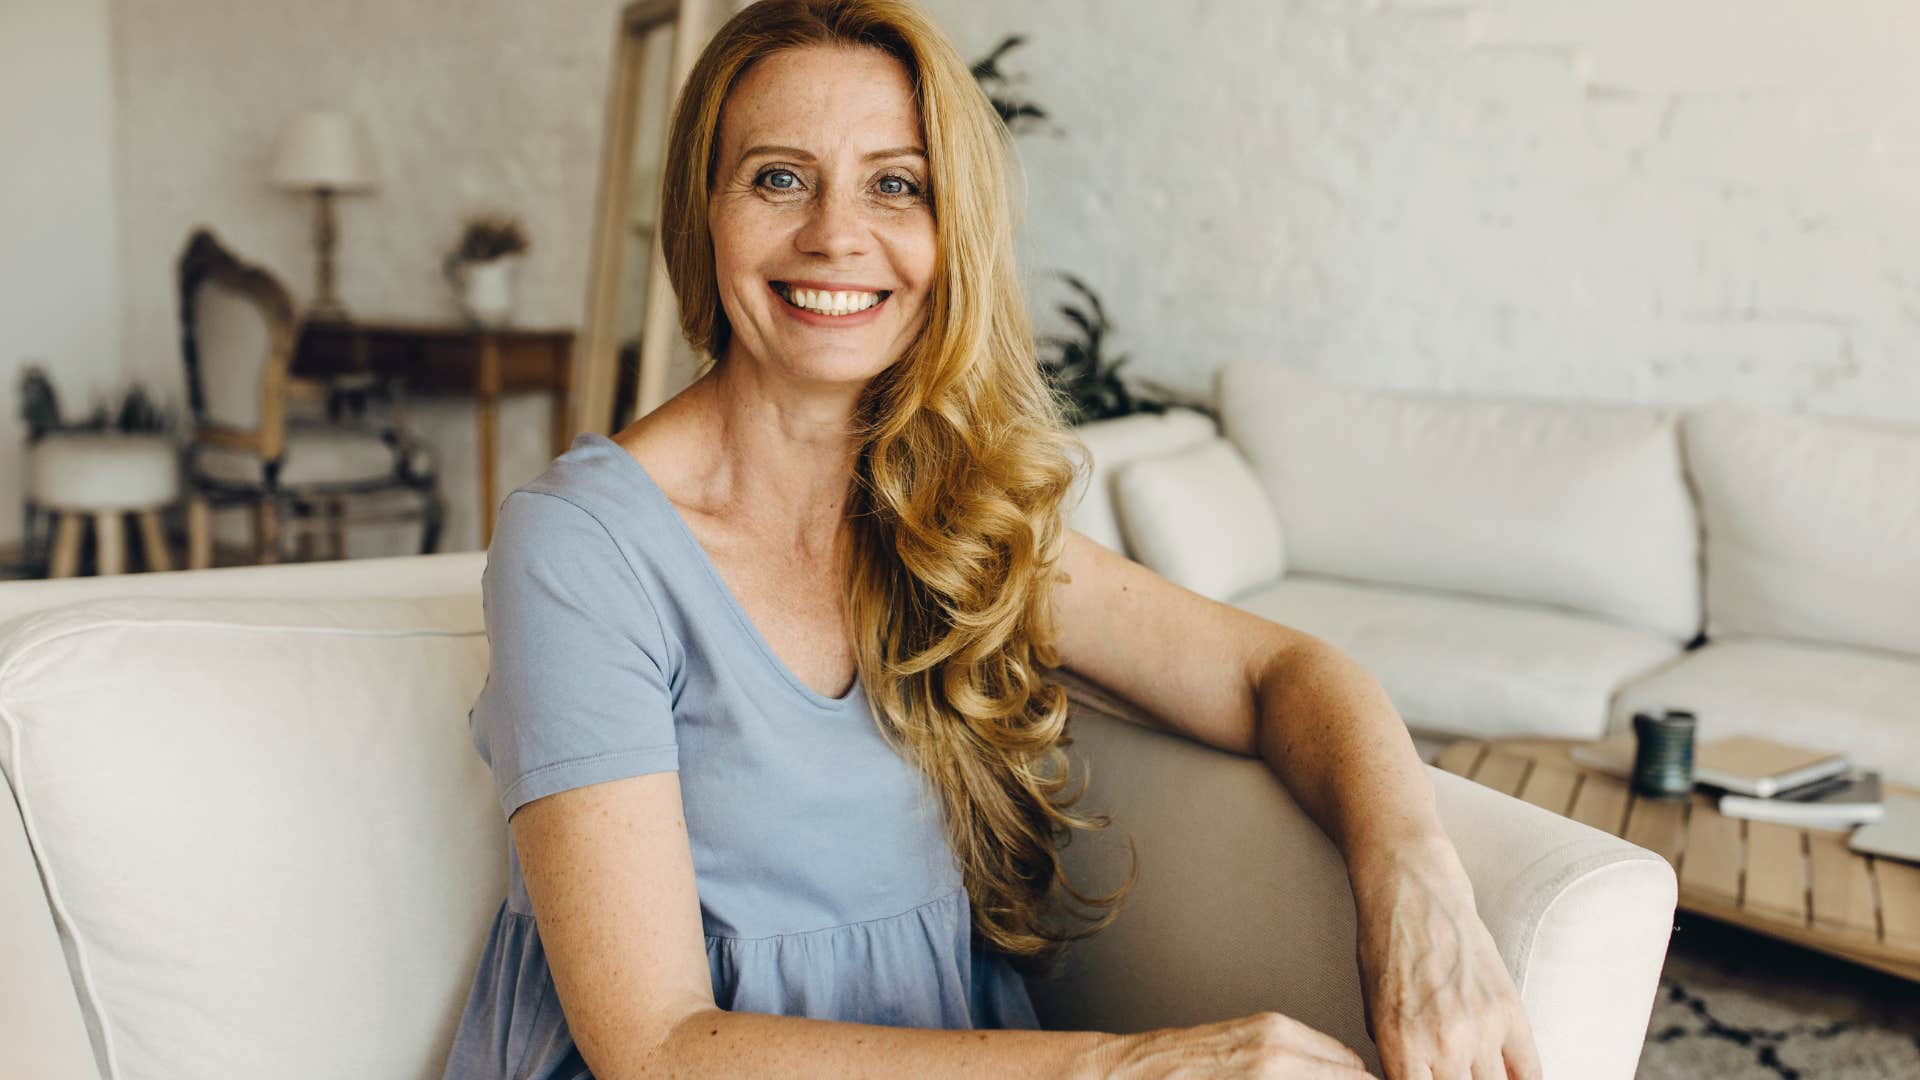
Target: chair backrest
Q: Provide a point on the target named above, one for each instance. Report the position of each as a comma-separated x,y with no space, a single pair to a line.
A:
260,823
237,331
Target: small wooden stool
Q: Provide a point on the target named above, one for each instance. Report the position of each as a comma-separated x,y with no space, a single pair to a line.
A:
82,475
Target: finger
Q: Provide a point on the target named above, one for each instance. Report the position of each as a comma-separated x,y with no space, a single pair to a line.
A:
1521,1055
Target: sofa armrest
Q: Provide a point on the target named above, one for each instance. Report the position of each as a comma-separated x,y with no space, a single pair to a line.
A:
394,577
42,1033
1242,904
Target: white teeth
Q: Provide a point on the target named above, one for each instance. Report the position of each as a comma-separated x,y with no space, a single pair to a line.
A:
832,303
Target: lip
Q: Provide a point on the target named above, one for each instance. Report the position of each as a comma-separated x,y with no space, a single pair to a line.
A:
812,318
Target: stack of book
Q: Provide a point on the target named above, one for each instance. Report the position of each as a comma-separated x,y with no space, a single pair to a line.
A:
1764,780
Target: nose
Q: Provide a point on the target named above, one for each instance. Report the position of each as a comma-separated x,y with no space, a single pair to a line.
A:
834,228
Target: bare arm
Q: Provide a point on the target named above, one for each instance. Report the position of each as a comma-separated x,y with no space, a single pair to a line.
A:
609,869
1439,998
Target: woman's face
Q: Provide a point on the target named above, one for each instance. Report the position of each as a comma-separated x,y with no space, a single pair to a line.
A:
820,208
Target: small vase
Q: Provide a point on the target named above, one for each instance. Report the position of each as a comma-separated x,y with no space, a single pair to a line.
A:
485,289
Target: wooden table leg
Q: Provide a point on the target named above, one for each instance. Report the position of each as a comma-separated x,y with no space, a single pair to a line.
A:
487,415
199,533
109,543
562,414
66,545
266,532
154,538
337,528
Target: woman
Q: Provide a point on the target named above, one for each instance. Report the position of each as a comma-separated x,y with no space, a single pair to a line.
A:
784,637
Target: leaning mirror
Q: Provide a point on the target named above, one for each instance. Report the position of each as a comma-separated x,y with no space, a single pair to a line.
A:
632,356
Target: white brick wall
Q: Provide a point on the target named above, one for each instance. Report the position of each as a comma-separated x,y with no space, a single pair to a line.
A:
1648,200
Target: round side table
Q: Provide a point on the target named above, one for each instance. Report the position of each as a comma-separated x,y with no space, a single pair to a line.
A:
81,476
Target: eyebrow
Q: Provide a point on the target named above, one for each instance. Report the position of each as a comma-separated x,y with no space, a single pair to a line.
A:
796,152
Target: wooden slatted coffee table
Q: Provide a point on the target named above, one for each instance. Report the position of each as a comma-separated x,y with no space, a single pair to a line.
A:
1800,885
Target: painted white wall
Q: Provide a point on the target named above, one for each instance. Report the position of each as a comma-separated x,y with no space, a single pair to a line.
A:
487,104
59,258
493,104
1636,200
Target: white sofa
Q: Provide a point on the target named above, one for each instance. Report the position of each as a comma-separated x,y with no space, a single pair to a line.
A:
1510,566
245,833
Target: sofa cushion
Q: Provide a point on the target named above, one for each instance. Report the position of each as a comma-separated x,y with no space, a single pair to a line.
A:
1468,666
1112,443
1199,518
1580,506
1857,702
261,825
1812,526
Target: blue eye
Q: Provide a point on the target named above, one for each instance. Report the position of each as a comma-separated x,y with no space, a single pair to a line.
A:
770,173
907,187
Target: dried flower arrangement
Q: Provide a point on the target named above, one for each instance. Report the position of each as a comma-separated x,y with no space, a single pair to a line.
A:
490,236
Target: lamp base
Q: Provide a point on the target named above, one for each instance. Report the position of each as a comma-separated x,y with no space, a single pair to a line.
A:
330,312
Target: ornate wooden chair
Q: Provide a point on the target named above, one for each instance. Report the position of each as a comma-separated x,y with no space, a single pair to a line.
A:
261,437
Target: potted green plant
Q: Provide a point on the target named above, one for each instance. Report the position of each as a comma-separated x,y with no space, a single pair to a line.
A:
1088,377
481,267
1078,365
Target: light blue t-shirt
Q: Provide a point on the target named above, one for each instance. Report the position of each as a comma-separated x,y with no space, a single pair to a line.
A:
827,886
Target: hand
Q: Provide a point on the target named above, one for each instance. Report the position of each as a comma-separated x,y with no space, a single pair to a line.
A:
1439,1001
1266,1044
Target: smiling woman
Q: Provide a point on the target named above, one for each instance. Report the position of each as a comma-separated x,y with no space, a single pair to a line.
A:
768,711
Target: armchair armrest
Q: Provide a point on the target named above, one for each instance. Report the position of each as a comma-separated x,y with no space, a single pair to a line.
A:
1242,903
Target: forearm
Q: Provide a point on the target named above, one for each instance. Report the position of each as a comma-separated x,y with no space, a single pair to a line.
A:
1330,733
716,1042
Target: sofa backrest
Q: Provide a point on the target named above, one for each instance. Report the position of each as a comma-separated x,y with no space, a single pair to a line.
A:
1113,443
1812,526
1574,505
260,824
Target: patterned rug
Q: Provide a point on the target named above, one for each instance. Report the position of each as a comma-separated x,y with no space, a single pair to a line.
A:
1734,1004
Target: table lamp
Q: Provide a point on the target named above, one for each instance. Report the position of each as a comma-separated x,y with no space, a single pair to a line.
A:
324,152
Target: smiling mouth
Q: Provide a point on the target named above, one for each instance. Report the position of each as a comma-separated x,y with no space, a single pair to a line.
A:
822,302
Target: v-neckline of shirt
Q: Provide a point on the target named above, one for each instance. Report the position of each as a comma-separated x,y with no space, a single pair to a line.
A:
699,554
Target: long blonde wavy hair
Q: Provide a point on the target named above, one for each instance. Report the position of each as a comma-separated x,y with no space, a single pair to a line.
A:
964,461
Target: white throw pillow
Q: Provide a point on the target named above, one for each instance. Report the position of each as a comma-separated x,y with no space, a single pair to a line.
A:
1111,444
1199,518
1813,526
1572,505
262,824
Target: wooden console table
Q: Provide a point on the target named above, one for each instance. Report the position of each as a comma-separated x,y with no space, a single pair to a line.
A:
442,360
1801,885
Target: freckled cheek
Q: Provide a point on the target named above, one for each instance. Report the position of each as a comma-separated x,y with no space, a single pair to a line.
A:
913,253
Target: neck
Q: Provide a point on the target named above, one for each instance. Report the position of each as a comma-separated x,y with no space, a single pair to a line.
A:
783,452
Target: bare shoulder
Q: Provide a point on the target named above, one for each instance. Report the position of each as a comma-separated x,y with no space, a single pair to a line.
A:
669,443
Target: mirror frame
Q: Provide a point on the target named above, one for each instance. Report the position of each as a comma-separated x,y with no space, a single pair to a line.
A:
597,360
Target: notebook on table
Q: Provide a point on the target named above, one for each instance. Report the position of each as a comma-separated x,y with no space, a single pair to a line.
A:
1851,798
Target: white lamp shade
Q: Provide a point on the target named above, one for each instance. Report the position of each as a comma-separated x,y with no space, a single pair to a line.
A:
323,149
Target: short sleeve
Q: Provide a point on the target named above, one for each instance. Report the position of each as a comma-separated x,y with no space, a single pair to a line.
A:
577,689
